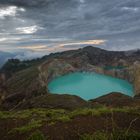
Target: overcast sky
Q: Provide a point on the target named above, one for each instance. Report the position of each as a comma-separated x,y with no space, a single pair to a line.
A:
38,27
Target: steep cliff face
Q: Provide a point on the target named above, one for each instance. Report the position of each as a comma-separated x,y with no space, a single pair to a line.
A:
136,79
90,59
2,87
131,74
54,68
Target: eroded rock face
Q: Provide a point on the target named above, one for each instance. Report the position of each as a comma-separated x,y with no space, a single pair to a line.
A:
136,80
59,67
54,68
131,74
95,60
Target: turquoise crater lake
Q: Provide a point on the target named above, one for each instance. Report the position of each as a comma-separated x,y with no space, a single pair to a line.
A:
89,85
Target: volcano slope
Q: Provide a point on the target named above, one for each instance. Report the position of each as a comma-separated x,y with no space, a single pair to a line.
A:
29,110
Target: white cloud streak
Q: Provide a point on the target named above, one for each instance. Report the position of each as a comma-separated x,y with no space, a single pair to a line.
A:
9,39
134,9
62,46
10,11
28,30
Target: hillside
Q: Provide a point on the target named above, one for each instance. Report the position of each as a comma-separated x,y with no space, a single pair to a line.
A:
98,123
30,112
29,79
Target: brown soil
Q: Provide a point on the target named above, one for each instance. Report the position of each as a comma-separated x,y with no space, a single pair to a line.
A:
116,100
89,124
73,129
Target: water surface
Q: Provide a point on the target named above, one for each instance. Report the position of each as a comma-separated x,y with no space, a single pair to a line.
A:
89,85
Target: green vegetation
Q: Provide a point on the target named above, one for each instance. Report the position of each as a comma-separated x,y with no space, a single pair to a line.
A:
37,136
102,110
38,117
90,111
111,136
13,66
64,118
96,136
22,80
58,114
32,113
26,128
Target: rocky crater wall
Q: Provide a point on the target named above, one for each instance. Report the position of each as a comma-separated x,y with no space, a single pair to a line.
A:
58,67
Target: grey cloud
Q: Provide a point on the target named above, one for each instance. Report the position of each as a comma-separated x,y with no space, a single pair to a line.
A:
25,3
67,20
29,55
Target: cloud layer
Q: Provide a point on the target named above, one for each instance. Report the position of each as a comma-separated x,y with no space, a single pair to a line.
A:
113,25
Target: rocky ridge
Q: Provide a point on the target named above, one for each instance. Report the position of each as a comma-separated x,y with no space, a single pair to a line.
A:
30,83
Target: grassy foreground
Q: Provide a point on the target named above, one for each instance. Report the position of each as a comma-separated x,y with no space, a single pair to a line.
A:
32,124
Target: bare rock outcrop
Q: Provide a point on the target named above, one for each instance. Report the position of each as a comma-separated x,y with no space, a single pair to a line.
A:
52,69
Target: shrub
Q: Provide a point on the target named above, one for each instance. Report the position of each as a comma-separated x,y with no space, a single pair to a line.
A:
111,136
95,136
26,128
37,136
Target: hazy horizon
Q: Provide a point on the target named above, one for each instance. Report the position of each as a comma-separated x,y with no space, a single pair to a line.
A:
38,27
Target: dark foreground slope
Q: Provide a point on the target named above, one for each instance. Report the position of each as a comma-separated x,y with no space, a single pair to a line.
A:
98,123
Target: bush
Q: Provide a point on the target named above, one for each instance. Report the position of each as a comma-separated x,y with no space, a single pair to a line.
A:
113,136
28,127
37,136
96,136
